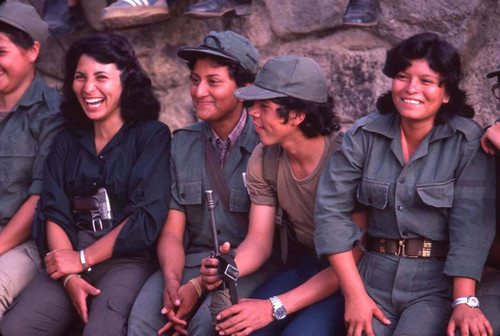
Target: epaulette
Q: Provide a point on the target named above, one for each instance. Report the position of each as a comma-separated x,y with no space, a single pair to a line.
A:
467,127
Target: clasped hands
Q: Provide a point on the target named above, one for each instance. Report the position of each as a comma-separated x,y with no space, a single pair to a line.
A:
64,262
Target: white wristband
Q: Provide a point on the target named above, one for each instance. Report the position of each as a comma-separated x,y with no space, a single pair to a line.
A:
69,276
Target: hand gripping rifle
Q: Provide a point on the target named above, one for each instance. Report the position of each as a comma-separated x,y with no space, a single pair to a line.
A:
226,269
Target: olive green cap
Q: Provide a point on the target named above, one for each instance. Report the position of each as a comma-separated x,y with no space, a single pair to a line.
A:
288,76
25,17
226,44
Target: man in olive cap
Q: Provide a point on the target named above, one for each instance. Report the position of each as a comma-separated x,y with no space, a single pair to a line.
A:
298,130
217,147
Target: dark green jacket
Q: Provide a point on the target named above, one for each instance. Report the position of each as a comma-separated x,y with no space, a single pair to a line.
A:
446,192
190,180
26,135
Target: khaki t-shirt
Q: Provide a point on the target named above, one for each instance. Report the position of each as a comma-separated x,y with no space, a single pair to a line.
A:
295,196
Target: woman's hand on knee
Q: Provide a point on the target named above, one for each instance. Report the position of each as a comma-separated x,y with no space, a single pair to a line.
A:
78,290
62,262
359,313
470,321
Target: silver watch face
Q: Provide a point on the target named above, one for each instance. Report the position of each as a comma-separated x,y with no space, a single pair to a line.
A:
279,313
472,302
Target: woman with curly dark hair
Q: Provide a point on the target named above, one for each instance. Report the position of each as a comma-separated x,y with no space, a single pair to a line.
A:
104,199
417,166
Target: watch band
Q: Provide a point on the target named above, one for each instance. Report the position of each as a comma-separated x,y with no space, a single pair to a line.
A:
84,262
279,311
470,301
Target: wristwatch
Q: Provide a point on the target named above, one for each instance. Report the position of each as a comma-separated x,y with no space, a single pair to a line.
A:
84,262
470,301
279,311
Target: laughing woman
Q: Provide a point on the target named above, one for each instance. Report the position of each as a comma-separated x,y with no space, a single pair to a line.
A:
429,191
104,196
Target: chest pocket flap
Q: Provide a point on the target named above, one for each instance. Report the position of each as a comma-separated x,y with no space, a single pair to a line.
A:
189,191
438,195
373,193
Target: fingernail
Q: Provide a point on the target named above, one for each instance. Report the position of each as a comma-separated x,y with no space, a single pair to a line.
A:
163,310
177,302
217,328
218,317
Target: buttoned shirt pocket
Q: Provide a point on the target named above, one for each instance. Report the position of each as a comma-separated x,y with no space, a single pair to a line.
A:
437,195
239,200
17,154
189,191
373,193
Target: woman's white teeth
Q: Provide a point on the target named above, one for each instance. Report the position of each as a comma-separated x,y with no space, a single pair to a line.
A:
412,101
94,101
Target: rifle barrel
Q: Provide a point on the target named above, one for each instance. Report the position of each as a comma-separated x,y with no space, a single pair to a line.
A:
211,206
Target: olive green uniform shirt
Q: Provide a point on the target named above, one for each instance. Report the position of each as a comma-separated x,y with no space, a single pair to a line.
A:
26,135
190,180
445,192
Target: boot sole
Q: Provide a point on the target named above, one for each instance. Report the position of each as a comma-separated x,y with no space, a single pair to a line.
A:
127,17
239,10
351,24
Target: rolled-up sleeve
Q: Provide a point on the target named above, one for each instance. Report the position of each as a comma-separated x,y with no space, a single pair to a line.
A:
335,230
148,193
47,128
472,217
174,189
54,203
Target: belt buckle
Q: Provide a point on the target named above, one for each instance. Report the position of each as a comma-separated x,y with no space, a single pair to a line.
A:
426,249
401,248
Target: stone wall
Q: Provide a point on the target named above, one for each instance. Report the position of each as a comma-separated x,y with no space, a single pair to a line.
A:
351,57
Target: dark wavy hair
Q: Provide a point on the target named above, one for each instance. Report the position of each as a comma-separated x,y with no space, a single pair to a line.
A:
137,100
17,36
319,117
443,58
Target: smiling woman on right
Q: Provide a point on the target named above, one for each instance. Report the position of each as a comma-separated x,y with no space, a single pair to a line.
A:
417,166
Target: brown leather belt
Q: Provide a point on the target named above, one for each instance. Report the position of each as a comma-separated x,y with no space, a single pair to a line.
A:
408,248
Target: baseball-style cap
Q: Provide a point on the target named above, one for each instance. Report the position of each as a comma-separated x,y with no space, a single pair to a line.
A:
494,72
25,17
226,44
289,75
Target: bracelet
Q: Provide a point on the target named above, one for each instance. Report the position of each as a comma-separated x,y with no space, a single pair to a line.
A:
69,276
84,262
196,286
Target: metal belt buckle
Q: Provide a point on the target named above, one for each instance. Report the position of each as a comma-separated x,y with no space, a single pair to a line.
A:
401,248
426,250
402,245
232,272
96,219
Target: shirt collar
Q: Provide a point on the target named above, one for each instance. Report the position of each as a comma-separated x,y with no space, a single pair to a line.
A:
388,125
235,133
87,137
33,94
